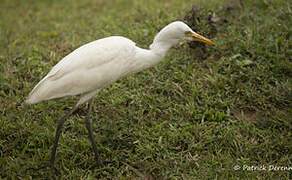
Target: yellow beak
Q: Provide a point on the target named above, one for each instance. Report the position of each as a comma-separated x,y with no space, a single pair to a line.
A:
198,37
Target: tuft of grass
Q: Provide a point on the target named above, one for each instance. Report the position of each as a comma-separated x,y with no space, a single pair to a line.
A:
186,118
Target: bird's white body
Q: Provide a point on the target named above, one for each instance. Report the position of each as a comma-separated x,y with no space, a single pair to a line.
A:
92,67
97,64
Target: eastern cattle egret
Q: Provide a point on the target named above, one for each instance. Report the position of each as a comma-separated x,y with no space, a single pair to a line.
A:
97,64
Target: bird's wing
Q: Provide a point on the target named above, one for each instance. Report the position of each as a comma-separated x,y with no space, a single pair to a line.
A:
92,55
62,79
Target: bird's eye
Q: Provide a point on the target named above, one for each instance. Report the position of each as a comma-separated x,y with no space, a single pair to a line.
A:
188,33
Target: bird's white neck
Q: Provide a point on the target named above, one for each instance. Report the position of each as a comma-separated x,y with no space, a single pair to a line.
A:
160,48
146,58
149,57
161,44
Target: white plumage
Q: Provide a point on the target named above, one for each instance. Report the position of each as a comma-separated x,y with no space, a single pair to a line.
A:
97,64
87,69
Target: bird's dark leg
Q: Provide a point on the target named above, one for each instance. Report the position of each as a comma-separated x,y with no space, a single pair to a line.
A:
57,136
90,133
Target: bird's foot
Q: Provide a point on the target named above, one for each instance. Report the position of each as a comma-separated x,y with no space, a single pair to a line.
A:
98,163
54,171
38,168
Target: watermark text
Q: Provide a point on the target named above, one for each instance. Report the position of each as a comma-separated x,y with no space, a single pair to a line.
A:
262,168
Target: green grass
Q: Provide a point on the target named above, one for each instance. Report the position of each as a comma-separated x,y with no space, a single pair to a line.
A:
183,119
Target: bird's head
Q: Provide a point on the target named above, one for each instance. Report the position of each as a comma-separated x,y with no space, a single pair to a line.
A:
178,30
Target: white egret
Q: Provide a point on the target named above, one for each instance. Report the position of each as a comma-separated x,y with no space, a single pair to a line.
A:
97,64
